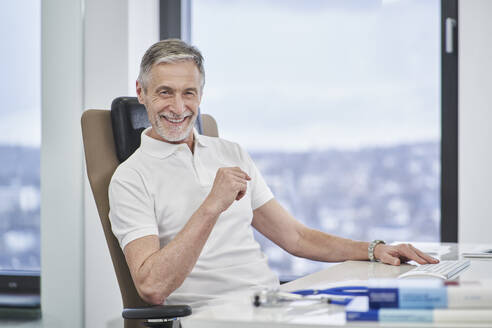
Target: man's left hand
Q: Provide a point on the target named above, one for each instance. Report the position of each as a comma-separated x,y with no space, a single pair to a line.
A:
397,254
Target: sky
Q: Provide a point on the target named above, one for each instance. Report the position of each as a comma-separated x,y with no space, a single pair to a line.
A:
318,74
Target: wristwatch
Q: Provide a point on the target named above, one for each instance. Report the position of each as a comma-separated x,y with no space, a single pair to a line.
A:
370,249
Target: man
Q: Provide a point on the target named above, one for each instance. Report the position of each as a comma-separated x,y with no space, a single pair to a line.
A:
183,205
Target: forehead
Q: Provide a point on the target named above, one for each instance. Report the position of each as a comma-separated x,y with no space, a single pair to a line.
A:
179,74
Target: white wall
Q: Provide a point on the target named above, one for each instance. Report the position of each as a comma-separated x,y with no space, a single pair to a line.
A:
117,33
61,164
475,117
105,77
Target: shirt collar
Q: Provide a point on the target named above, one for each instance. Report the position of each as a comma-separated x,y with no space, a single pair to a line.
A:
162,149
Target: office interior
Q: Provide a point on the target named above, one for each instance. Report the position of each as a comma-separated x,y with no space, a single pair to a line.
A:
90,54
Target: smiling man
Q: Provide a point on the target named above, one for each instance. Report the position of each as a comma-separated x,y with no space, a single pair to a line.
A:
184,206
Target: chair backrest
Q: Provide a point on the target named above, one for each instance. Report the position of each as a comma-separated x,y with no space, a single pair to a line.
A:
101,162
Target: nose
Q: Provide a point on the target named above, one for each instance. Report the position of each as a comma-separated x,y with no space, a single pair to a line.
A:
178,107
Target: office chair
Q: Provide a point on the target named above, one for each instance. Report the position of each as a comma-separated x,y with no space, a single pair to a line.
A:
109,138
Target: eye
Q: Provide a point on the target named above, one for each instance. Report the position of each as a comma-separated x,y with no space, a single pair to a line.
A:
164,92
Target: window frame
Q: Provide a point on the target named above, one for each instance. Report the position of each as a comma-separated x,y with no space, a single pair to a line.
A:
449,126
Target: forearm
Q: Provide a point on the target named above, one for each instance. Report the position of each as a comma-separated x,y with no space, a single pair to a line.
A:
165,270
316,245
273,221
278,225
320,246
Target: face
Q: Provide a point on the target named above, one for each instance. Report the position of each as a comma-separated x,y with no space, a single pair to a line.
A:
172,98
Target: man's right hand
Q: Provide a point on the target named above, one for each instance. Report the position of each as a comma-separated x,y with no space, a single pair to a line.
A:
230,184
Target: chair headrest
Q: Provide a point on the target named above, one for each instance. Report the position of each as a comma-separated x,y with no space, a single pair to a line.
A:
129,118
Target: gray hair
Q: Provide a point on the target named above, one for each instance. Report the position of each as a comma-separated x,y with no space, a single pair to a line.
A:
169,51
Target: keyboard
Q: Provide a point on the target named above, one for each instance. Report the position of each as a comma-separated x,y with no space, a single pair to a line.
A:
444,270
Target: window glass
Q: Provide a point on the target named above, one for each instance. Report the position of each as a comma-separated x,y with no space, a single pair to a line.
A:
20,136
338,103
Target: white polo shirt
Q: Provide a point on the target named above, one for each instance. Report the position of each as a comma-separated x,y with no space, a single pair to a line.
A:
156,191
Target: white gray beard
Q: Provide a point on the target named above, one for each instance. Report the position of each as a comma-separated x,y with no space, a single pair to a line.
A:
175,135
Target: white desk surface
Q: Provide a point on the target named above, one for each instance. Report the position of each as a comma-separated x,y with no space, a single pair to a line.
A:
239,312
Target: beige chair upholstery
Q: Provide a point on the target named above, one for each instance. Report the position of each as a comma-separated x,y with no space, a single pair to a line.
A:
101,162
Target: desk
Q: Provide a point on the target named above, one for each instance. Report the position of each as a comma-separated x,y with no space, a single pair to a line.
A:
239,312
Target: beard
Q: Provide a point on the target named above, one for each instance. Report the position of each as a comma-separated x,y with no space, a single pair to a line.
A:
174,133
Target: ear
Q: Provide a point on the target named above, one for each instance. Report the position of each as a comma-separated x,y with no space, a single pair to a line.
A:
140,92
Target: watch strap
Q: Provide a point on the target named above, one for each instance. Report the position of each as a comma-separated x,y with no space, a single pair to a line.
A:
372,246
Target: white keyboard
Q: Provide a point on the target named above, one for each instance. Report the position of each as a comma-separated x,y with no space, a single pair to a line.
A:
443,270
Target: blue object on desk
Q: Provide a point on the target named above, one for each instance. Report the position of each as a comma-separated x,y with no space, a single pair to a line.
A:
338,291
336,295
349,291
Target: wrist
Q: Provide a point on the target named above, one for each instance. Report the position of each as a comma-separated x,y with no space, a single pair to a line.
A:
371,249
209,208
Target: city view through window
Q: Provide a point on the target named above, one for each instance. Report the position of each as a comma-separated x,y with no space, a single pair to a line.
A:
338,103
20,135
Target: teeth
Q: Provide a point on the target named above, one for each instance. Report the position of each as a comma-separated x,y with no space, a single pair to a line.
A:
173,120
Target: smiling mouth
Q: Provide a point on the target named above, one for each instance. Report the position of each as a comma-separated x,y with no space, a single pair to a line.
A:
174,120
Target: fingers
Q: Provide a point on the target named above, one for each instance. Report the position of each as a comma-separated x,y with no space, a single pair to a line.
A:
240,195
408,251
233,171
230,184
241,186
236,171
395,255
425,256
238,178
411,253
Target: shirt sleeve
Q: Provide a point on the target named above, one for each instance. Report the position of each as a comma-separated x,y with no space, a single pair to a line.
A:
131,211
260,192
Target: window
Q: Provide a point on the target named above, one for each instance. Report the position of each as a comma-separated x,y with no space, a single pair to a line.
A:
339,104
20,136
